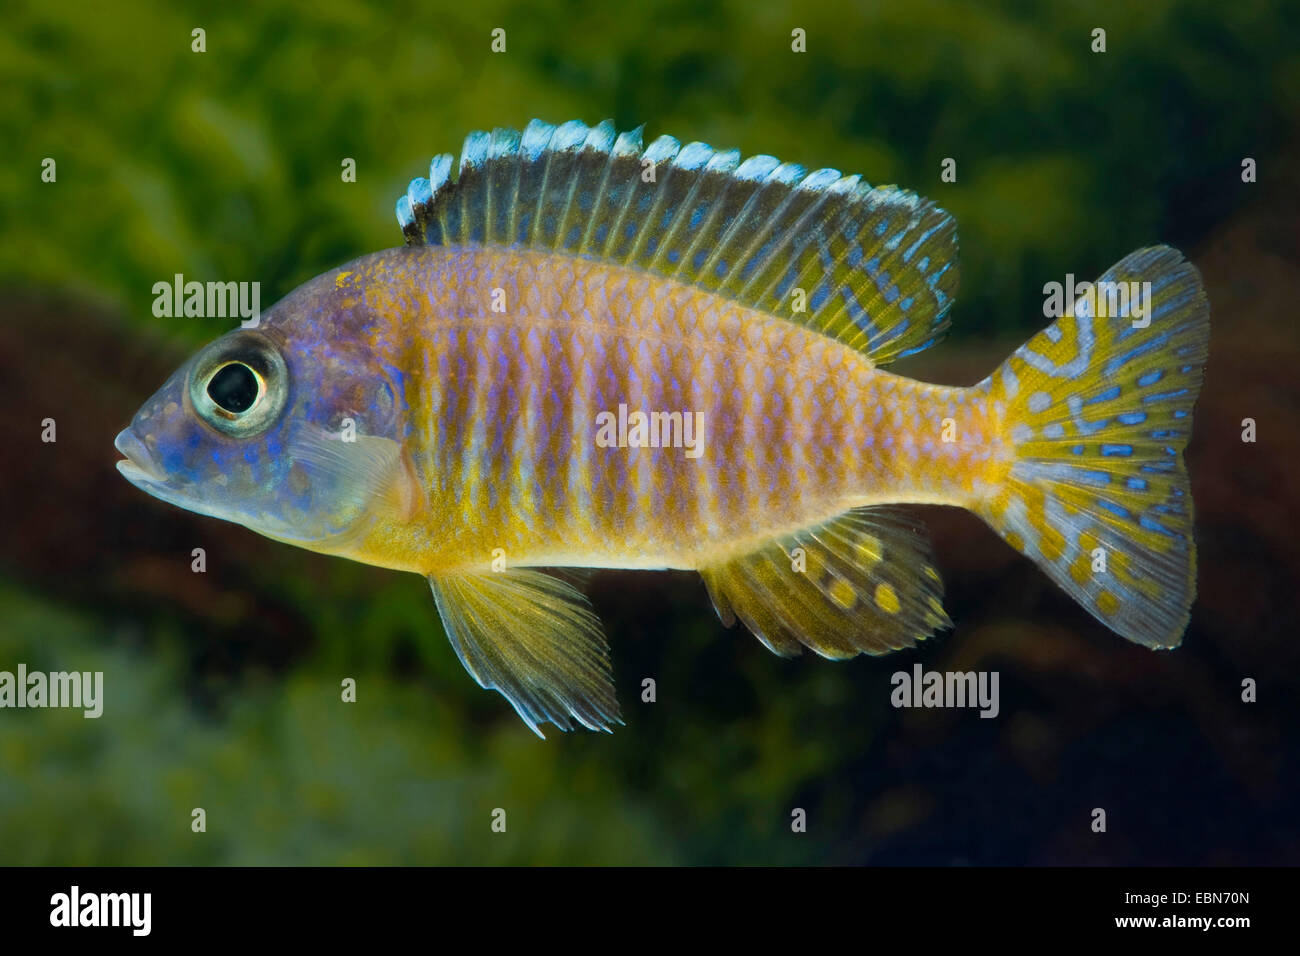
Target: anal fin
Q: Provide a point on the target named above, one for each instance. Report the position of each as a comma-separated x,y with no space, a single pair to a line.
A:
533,638
862,582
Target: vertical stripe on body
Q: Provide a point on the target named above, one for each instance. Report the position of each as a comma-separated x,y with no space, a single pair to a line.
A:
796,425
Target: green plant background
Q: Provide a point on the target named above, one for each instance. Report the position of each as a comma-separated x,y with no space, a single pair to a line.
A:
223,688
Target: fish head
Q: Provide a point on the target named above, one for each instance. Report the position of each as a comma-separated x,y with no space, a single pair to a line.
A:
291,429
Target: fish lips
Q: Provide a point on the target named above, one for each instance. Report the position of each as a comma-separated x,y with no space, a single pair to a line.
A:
138,467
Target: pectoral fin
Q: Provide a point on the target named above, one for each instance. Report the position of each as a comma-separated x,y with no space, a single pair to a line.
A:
863,582
534,638
369,472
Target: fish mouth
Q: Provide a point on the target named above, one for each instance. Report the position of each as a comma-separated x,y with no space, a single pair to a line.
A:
138,467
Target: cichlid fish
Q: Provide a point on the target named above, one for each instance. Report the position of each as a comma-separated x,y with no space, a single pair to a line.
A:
594,355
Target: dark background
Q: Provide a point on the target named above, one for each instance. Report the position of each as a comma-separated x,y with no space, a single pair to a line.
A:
222,689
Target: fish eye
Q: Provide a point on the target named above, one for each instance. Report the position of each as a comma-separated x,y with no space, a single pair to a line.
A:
234,388
239,384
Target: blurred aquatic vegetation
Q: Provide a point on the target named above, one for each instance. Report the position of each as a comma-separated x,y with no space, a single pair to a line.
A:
223,687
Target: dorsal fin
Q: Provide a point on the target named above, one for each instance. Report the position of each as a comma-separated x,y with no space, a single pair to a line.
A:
878,266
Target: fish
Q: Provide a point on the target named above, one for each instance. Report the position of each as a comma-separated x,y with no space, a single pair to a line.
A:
591,353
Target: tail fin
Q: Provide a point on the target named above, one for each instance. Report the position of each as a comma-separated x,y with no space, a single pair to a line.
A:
1098,409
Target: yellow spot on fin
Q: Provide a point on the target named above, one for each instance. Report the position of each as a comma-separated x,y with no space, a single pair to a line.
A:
868,586
341,279
887,598
534,638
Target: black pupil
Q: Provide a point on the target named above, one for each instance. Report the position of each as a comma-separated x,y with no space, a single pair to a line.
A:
234,388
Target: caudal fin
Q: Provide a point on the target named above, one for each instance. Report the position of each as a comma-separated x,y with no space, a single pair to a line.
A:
1098,409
